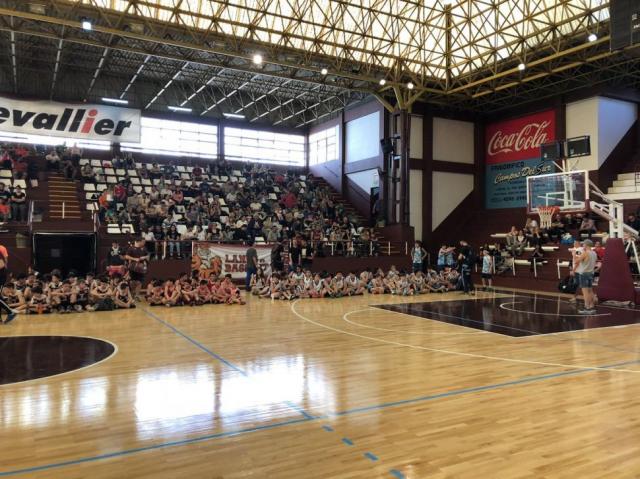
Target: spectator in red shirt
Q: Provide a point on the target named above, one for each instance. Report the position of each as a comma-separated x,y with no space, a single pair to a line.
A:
599,250
120,193
20,169
4,210
289,200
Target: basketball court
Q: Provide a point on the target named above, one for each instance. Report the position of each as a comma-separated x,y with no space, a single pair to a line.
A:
441,385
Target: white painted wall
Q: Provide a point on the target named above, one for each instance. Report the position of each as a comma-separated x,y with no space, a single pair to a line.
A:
415,204
614,120
605,120
365,179
363,137
582,119
415,145
453,140
449,189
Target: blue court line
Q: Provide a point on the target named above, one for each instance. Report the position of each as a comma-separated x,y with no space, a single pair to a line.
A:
216,356
129,452
371,456
347,441
488,387
396,473
238,432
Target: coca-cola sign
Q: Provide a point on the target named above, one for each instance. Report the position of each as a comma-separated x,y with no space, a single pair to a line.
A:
519,139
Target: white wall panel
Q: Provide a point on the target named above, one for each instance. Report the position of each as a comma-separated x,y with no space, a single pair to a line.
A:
582,119
453,140
365,179
363,137
449,189
614,120
415,145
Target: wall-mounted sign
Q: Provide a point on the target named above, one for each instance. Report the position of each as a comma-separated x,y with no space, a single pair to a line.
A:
513,153
82,121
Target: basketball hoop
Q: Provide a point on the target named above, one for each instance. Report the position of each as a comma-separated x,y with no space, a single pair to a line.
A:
546,214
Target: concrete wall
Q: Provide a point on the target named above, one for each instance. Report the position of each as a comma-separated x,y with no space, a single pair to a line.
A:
453,141
449,189
605,120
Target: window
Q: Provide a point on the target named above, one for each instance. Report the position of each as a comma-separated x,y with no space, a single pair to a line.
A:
167,137
323,146
263,147
54,141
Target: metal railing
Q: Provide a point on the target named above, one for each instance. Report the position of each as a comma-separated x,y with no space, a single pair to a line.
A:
184,248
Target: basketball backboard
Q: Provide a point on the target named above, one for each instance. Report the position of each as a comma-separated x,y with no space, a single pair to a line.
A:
569,191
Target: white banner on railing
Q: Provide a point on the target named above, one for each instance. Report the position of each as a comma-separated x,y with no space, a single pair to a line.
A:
217,259
82,121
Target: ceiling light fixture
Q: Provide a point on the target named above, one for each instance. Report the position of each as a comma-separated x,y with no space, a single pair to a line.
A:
383,82
592,37
86,24
257,59
115,100
521,66
180,109
410,86
324,71
235,116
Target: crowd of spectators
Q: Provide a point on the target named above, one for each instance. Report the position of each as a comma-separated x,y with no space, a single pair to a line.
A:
13,197
254,203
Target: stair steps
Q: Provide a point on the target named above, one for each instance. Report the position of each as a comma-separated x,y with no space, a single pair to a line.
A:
337,198
63,198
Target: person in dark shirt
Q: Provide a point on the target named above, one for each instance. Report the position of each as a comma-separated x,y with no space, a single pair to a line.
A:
252,264
137,256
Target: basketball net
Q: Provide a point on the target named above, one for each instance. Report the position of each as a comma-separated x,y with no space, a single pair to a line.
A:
546,215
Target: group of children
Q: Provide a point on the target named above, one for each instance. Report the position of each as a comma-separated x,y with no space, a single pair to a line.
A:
305,284
193,291
30,294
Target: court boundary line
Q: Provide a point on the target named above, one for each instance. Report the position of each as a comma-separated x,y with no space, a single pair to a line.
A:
523,337
361,410
219,358
115,351
502,306
375,308
456,353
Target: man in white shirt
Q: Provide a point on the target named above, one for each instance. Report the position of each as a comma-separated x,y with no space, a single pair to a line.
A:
584,265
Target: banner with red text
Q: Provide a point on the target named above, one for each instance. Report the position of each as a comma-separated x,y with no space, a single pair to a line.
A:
70,120
513,153
219,259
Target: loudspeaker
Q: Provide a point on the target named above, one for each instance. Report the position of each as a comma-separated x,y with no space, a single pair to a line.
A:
578,147
625,23
551,151
387,146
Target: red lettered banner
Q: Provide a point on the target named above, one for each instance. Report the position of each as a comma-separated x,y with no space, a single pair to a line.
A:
220,259
519,139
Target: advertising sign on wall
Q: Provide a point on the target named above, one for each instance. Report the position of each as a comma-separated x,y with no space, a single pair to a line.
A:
82,121
513,153
219,260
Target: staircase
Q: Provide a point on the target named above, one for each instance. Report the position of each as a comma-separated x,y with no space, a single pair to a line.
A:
63,198
626,186
390,248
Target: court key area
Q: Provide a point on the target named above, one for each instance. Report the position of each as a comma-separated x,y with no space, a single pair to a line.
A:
409,388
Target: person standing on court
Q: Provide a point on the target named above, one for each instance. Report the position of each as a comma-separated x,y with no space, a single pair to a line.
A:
467,260
4,261
418,254
252,264
137,258
584,266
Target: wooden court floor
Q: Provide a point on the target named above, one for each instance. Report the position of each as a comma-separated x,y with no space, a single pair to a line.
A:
324,389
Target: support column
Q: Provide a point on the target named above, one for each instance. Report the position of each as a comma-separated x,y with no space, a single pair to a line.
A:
405,131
